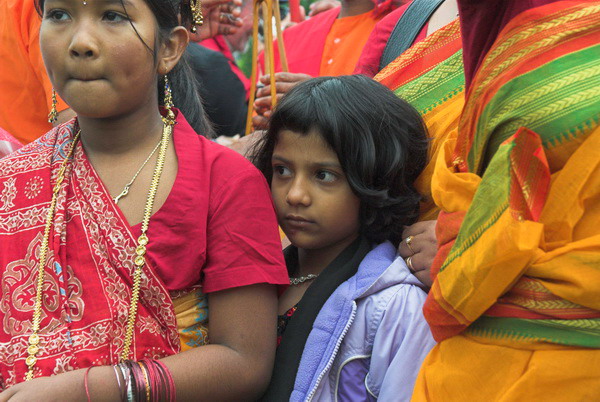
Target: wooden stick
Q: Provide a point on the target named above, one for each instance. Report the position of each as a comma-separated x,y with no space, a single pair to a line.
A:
253,76
280,43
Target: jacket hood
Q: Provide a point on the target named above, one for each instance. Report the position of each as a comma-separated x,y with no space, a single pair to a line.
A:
381,268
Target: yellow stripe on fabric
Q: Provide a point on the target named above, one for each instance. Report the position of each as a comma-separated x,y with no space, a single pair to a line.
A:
538,106
435,84
522,35
518,56
523,99
533,304
429,45
191,312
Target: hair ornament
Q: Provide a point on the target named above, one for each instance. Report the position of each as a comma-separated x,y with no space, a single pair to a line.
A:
197,17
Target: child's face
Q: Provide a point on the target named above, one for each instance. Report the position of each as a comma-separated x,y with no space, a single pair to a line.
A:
315,206
94,58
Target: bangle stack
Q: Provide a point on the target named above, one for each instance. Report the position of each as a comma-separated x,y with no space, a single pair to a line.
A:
144,381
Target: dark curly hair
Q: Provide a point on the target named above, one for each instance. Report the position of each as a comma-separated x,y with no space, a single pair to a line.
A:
380,141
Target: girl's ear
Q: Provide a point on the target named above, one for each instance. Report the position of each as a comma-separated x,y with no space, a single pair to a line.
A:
172,49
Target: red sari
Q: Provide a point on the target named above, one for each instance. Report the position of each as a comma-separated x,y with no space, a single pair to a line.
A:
196,241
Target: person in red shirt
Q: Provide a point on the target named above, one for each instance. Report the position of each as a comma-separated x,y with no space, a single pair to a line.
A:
124,231
328,44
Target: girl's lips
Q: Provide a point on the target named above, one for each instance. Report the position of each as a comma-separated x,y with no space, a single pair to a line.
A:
297,218
297,222
85,79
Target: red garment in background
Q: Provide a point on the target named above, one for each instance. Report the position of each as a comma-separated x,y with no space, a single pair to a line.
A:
219,44
304,44
344,43
368,63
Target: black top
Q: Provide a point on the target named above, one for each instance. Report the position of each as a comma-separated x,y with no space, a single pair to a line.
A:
289,353
223,94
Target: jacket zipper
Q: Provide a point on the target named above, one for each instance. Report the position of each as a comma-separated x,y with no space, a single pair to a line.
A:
333,355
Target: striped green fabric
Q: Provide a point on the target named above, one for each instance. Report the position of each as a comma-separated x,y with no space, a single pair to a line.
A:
436,86
559,108
585,333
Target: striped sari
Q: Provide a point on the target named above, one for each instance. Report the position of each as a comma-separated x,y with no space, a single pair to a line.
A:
515,304
430,77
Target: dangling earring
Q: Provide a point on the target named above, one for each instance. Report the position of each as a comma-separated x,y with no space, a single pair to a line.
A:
168,103
53,115
197,17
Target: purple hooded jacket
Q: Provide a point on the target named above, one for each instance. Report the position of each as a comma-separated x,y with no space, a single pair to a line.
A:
370,337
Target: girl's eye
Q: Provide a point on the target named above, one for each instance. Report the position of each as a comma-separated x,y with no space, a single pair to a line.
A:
325,176
281,171
112,16
57,15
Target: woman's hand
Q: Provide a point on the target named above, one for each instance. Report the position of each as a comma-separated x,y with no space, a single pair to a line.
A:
221,17
419,247
284,82
241,144
66,387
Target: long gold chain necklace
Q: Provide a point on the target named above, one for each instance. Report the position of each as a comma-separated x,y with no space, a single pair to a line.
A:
128,185
139,260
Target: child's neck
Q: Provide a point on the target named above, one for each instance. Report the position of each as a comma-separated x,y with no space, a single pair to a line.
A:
351,8
121,135
314,261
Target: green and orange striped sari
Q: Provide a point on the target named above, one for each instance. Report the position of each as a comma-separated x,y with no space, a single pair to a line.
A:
516,300
430,76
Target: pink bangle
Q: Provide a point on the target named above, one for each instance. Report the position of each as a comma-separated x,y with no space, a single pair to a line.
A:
85,383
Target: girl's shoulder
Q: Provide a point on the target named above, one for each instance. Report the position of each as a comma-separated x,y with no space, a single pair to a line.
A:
381,269
206,158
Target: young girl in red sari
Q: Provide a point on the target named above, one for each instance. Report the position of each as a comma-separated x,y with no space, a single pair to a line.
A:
118,228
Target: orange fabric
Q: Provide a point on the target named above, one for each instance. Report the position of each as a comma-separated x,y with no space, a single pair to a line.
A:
344,43
25,95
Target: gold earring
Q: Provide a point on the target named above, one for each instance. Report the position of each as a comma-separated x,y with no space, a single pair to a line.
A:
168,103
53,115
197,17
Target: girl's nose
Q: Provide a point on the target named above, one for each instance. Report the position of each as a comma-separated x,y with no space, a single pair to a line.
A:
298,193
83,43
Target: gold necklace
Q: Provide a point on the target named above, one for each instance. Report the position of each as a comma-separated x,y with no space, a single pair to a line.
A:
139,260
128,185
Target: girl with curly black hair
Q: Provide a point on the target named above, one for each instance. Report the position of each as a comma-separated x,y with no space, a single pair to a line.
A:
341,155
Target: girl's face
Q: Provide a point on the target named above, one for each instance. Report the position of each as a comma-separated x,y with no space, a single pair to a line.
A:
95,59
315,205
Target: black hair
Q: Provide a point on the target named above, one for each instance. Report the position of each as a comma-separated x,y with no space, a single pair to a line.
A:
380,140
184,85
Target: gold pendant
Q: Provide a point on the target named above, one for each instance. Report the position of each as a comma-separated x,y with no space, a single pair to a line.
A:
123,194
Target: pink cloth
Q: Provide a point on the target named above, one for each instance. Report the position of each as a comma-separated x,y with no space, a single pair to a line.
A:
8,143
368,64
